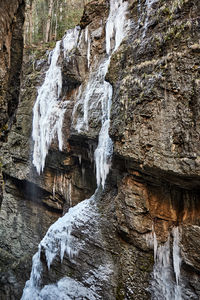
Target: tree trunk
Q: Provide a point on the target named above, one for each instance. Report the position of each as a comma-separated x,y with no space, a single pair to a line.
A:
56,26
48,26
31,23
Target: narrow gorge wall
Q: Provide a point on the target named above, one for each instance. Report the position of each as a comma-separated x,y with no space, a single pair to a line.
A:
11,51
148,211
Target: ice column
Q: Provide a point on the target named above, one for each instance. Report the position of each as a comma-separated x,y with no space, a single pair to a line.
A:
176,261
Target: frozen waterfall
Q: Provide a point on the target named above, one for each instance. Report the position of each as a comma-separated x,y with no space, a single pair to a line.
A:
116,27
60,241
49,109
48,117
98,90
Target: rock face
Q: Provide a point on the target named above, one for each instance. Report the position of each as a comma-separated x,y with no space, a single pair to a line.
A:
11,51
153,112
153,185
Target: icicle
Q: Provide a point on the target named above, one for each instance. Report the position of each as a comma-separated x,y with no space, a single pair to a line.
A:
166,266
83,172
103,154
69,192
54,186
176,254
162,282
177,262
88,41
152,242
155,245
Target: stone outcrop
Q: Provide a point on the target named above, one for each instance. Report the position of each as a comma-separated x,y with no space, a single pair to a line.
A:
154,179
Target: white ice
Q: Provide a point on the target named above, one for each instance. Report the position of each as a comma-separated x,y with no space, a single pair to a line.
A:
98,91
49,109
166,268
59,241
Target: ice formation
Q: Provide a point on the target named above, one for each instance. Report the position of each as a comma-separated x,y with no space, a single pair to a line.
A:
49,109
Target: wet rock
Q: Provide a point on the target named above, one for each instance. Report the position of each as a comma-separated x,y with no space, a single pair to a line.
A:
24,221
92,10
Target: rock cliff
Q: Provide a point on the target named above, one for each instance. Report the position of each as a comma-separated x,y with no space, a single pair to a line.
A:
151,197
11,51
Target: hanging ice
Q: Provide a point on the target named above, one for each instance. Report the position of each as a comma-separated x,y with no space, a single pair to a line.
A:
98,91
116,25
166,267
70,40
115,29
49,109
48,113
88,41
103,152
176,261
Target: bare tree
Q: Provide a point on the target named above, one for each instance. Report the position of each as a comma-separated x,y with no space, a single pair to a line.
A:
28,25
48,26
31,21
